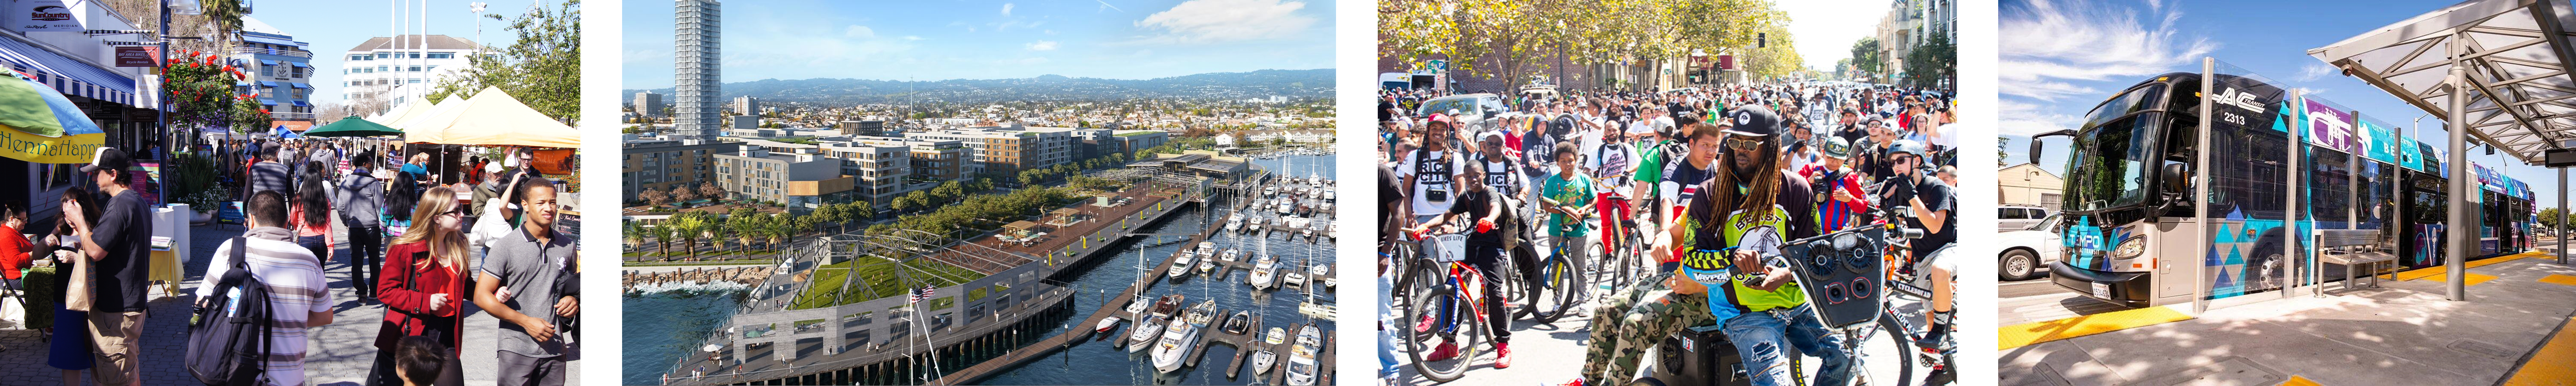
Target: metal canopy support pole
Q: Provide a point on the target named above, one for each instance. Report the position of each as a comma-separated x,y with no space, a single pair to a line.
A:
2286,269
2561,225
2460,223
2200,193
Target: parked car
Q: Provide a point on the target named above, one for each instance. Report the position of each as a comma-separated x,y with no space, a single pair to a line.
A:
1475,112
2013,217
2029,249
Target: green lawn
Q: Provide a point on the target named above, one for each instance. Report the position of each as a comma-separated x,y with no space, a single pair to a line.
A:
878,279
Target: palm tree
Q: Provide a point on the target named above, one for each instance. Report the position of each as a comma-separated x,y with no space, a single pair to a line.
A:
634,232
688,225
662,235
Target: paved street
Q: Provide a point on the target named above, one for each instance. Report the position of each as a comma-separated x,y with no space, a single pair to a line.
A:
1545,354
341,353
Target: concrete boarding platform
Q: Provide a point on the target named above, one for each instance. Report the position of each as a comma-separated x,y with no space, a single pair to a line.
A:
2405,333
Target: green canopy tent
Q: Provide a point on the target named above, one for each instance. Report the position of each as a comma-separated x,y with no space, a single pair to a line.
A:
352,127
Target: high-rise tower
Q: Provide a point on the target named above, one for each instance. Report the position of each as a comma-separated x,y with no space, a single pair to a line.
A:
699,74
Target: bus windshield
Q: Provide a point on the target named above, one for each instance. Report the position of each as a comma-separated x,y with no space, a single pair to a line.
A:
2112,154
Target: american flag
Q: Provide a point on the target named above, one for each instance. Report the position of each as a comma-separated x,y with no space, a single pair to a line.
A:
925,293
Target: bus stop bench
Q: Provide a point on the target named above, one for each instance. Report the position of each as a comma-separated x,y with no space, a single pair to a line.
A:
2359,250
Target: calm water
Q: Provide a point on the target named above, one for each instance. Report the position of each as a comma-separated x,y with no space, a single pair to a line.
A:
1097,363
663,327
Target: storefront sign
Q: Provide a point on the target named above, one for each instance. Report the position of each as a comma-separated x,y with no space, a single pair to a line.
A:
69,149
138,56
43,16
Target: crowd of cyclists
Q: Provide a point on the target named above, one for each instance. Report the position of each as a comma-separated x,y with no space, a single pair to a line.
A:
1666,208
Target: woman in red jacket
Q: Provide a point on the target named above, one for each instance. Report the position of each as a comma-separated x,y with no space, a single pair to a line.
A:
423,282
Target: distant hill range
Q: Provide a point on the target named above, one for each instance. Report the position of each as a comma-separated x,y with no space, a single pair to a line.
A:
1317,83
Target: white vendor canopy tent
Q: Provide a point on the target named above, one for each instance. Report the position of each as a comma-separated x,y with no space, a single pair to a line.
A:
2498,68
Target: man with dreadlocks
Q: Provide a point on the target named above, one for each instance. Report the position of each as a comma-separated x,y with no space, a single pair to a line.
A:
1727,241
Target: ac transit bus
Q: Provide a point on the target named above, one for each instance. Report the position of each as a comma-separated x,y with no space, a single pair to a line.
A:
2128,221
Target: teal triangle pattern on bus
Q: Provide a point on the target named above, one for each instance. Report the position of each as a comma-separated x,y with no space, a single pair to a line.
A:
2378,142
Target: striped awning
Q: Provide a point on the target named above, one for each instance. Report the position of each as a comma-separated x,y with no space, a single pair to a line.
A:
67,75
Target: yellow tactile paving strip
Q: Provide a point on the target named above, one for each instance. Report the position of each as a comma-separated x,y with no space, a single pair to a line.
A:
2474,278
2036,332
2438,270
2299,381
2559,279
2549,365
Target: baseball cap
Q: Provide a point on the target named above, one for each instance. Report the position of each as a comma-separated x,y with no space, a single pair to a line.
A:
108,158
1837,147
1752,120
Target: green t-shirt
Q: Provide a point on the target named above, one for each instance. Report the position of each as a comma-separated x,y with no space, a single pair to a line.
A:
1575,191
1727,293
1765,235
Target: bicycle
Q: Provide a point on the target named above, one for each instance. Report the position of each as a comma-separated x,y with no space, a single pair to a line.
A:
1433,309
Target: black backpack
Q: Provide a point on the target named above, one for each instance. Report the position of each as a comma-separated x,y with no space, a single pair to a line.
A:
229,337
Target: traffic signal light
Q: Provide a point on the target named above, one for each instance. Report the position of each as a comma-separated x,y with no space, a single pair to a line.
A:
1761,40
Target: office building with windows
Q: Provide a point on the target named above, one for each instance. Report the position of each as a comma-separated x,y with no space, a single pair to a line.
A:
386,72
281,72
697,56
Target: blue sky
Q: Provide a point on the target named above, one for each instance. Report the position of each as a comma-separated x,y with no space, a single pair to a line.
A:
330,31
2059,58
936,40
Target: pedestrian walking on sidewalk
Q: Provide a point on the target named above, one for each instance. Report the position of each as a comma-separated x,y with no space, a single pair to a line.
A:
360,200
423,285
299,295
519,287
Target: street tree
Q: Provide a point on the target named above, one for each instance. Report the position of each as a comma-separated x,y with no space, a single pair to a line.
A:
541,67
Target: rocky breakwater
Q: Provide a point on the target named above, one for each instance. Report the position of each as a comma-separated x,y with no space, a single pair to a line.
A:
695,278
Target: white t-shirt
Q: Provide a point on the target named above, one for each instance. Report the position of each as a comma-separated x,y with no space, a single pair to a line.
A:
1433,193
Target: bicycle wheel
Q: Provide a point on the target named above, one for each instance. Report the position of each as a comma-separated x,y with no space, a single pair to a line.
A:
1559,288
1448,325
1881,361
1425,279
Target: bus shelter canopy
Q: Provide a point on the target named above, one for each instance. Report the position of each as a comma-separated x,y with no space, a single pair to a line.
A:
2521,98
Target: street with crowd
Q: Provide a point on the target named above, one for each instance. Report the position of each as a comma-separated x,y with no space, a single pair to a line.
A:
1653,212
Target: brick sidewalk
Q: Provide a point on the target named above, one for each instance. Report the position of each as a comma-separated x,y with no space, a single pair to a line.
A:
339,354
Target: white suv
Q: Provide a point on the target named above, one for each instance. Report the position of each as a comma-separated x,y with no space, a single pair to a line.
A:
2012,217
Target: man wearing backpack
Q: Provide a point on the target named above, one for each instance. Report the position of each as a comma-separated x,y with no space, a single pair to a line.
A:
518,287
118,242
298,297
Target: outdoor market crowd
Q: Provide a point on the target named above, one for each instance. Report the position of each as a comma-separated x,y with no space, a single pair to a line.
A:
1695,186
417,248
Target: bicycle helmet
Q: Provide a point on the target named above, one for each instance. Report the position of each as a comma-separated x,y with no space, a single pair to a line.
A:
1906,146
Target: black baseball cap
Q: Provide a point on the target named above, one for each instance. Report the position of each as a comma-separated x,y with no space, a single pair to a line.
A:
108,158
1752,120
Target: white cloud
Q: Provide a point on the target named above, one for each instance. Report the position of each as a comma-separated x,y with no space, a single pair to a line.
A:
2017,118
2315,70
1042,45
911,38
1144,52
1006,8
1212,21
860,31
2046,45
